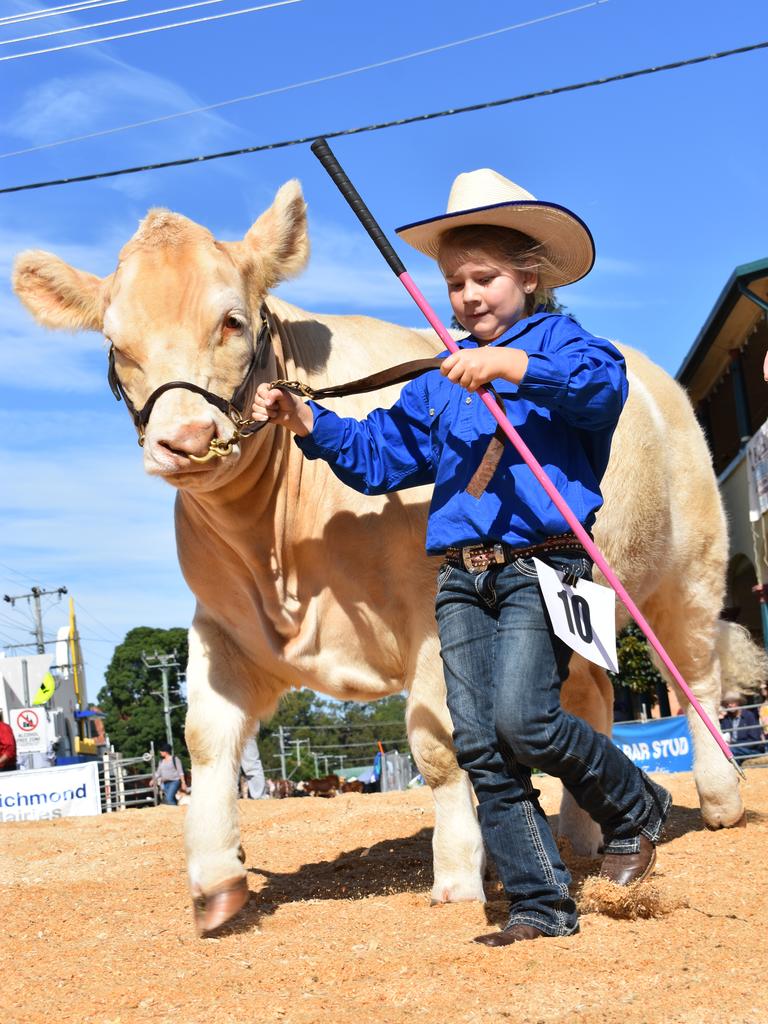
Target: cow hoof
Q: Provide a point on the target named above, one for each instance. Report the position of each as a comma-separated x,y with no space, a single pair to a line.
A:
739,823
457,894
213,911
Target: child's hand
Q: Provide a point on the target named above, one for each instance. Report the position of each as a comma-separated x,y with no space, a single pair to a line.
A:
473,367
282,407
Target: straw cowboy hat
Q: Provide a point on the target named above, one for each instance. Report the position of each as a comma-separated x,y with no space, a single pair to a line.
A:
486,197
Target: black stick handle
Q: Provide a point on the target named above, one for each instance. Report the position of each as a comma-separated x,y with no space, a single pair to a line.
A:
325,155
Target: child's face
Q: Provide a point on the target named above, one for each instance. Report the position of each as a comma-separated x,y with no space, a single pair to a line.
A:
487,297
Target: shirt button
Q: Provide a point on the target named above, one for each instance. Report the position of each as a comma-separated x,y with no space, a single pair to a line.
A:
468,401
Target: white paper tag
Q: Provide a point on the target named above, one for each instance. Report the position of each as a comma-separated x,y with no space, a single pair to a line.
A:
584,616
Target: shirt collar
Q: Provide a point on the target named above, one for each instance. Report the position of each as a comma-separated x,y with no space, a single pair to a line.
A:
515,331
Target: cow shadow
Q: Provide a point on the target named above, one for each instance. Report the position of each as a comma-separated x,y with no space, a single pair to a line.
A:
383,869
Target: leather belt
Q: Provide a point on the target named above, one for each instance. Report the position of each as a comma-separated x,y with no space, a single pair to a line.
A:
477,558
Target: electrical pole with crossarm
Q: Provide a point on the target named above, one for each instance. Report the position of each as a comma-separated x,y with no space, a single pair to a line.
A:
36,593
165,662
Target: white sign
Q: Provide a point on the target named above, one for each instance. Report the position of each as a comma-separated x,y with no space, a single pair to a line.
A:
30,732
757,460
66,792
583,616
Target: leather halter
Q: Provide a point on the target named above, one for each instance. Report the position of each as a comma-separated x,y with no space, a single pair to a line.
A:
231,408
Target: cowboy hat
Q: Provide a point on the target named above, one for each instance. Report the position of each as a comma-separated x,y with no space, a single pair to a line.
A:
486,197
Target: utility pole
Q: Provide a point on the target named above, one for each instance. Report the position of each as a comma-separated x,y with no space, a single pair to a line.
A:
282,751
36,593
165,662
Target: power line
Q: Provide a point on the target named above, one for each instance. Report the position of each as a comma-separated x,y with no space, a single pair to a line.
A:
303,84
157,28
417,118
80,607
114,21
57,12
15,572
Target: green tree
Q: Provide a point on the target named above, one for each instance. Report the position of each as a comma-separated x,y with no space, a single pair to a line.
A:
134,711
636,670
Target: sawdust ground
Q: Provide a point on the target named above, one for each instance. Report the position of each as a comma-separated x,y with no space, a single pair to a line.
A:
97,925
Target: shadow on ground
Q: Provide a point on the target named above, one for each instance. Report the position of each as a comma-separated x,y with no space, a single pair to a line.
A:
405,865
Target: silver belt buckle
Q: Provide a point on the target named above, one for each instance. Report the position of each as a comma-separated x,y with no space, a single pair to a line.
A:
472,551
467,554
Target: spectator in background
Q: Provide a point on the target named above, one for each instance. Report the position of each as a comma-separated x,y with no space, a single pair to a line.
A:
762,711
252,769
741,730
7,747
170,774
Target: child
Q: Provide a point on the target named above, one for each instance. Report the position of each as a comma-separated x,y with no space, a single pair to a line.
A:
501,252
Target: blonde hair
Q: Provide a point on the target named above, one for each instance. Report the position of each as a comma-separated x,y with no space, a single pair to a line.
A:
512,248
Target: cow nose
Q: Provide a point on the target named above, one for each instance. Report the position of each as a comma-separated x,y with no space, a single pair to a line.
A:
192,438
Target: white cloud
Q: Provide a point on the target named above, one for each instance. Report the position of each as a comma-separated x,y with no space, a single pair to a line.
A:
346,273
611,265
117,94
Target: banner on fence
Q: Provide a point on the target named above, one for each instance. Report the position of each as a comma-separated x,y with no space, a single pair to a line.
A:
65,792
658,745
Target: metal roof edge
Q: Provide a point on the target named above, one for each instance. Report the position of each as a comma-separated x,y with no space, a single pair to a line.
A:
729,296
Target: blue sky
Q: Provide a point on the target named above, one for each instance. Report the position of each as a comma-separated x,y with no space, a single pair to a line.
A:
668,170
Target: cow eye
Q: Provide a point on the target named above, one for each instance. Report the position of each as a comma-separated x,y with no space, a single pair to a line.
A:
232,322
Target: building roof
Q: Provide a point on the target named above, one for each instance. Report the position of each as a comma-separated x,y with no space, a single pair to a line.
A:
732,318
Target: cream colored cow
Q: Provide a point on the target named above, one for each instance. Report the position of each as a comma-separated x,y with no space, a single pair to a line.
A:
301,581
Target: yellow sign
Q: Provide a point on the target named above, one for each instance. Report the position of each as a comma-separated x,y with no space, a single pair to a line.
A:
46,690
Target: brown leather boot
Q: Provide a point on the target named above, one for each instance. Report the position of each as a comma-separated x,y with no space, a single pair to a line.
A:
515,933
626,868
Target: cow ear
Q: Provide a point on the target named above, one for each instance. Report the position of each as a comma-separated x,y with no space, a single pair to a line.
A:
58,295
279,238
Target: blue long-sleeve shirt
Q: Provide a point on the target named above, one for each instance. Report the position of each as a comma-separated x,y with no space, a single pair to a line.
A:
565,408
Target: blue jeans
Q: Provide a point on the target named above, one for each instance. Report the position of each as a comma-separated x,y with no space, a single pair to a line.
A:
504,669
170,789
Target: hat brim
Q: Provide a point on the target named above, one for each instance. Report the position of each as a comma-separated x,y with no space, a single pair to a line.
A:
565,237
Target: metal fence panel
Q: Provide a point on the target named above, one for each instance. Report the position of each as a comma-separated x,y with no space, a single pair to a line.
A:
127,781
396,771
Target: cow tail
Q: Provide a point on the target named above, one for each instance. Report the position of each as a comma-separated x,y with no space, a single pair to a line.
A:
744,664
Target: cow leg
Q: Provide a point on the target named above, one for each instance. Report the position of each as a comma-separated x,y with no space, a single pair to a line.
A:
218,723
457,846
686,622
587,693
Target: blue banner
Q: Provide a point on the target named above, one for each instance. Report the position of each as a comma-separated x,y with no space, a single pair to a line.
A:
658,745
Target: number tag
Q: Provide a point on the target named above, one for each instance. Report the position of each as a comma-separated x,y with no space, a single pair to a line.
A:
584,616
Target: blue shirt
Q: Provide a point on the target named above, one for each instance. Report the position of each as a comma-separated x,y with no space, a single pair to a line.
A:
565,409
